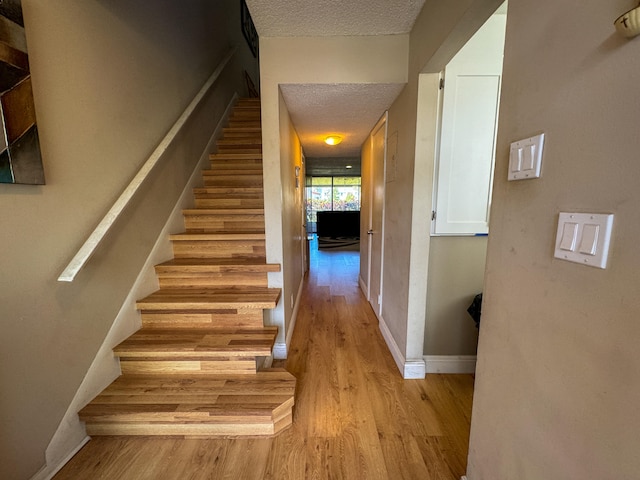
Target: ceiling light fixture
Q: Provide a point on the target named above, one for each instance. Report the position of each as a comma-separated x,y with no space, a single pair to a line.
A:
333,140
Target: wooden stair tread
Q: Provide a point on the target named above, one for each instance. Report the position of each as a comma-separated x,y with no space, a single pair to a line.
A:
197,343
179,398
210,265
210,299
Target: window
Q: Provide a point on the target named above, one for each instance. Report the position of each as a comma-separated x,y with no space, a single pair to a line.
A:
331,194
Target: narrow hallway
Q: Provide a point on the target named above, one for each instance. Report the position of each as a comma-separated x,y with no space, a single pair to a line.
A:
355,417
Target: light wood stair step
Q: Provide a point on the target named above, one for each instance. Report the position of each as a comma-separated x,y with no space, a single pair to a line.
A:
255,170
245,220
229,132
207,299
203,202
183,344
235,156
181,266
241,142
229,192
231,149
246,123
252,164
225,180
222,211
206,405
214,273
197,351
219,245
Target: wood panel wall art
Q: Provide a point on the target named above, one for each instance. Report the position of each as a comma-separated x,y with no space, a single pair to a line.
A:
20,157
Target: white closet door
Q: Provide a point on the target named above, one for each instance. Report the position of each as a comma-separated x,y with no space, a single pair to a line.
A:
467,142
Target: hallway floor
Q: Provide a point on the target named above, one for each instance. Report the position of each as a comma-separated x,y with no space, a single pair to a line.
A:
355,417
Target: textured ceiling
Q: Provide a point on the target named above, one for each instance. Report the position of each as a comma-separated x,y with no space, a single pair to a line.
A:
348,110
311,18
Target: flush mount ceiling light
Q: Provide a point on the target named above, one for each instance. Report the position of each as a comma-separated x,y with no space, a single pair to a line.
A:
333,140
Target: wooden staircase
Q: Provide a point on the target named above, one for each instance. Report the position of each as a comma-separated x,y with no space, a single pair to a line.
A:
193,367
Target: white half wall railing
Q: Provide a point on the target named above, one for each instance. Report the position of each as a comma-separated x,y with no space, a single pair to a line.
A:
90,245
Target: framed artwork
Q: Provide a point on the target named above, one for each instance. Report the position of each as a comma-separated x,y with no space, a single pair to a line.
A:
20,157
248,28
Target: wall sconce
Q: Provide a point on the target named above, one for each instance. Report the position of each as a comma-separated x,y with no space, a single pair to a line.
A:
628,24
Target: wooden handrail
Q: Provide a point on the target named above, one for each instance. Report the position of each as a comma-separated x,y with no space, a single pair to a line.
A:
90,245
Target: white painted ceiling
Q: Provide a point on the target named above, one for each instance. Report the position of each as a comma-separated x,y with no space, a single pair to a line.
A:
317,18
350,110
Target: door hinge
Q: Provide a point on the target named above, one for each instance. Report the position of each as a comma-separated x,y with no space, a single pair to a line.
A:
433,215
441,83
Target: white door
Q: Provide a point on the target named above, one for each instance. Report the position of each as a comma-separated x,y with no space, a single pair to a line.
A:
467,142
376,238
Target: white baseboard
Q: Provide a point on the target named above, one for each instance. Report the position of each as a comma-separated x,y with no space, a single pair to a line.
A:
105,367
281,349
363,287
450,363
49,471
410,368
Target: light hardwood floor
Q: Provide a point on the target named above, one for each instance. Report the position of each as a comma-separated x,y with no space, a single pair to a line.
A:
355,417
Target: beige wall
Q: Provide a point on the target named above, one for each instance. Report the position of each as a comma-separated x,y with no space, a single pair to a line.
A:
306,61
439,32
292,239
557,379
456,274
110,78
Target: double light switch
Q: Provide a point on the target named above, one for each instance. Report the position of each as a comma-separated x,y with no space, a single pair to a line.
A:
584,238
525,158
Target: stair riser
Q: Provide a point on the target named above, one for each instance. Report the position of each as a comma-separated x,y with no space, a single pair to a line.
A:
243,134
229,170
229,149
230,318
219,249
222,366
233,181
224,223
213,280
185,430
244,124
237,164
229,203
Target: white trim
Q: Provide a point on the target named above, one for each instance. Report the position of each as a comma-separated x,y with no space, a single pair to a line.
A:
48,472
105,367
280,349
450,363
463,477
413,368
363,287
90,245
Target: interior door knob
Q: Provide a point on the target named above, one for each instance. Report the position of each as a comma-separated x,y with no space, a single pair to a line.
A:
370,232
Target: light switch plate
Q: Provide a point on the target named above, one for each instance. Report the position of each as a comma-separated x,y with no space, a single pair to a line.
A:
525,158
584,238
